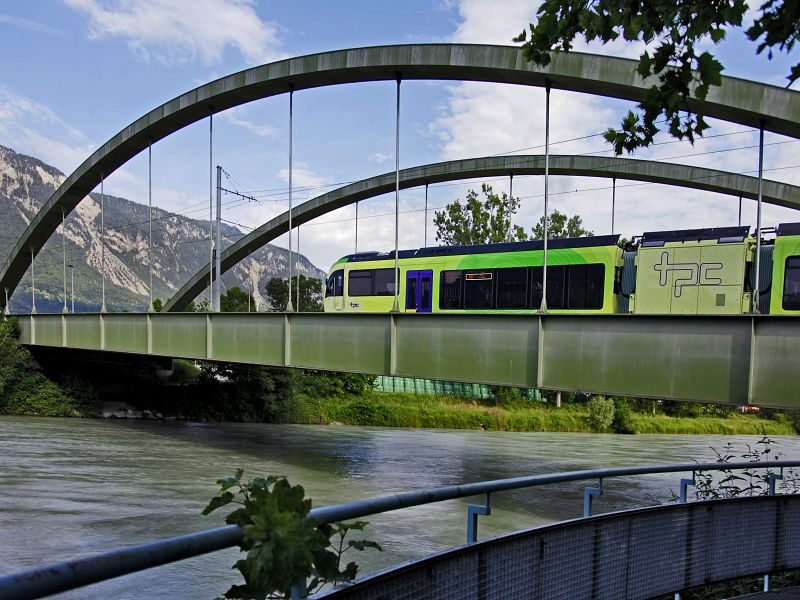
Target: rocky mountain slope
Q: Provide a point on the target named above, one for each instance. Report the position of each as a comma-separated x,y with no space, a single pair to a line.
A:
180,247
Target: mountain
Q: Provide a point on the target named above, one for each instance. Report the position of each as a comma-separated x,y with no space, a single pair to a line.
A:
180,247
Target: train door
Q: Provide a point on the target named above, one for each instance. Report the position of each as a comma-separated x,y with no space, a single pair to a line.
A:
419,291
334,292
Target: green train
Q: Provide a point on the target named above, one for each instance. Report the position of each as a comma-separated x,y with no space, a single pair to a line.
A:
693,271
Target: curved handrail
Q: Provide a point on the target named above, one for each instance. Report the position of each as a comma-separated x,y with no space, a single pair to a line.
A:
59,577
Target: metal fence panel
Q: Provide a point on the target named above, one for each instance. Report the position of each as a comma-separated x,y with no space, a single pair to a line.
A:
495,349
683,358
622,556
776,351
255,338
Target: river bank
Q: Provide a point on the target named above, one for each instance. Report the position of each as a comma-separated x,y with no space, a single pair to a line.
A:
382,409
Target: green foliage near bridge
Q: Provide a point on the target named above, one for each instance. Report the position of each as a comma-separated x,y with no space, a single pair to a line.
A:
26,390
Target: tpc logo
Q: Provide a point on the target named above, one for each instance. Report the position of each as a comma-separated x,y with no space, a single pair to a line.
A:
689,274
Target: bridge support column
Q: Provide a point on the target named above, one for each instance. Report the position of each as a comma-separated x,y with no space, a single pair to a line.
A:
287,339
149,334
393,344
102,330
209,338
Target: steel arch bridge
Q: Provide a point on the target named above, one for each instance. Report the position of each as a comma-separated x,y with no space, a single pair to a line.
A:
737,359
745,102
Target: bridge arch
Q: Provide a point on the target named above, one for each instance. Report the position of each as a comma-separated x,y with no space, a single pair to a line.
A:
745,102
699,178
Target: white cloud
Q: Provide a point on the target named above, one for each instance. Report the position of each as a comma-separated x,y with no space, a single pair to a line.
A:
33,128
303,176
379,157
180,31
28,25
260,130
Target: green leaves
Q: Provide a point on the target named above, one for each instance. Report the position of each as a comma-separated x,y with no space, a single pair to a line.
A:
284,546
479,221
672,31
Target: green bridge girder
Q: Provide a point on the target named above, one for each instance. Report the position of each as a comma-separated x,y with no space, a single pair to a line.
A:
712,180
749,103
725,359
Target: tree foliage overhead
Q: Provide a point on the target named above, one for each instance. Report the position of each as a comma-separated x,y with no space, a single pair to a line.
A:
235,299
479,221
310,299
676,33
560,226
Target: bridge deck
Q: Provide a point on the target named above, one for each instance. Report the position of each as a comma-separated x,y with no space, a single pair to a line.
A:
726,359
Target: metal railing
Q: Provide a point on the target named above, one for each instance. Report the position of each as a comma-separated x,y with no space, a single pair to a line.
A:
59,577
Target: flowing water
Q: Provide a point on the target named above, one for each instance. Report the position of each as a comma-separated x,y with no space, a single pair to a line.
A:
74,487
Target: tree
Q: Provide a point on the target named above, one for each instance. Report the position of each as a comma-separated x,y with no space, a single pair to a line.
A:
560,227
235,300
676,33
310,299
478,221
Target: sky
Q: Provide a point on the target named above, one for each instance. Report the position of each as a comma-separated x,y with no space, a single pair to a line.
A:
73,73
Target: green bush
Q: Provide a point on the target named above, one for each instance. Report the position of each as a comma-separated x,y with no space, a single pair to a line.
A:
623,421
601,413
24,390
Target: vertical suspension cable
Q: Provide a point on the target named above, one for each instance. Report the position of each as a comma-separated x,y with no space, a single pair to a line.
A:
218,246
150,219
64,249
298,269
543,306
396,304
757,283
613,201
210,210
33,285
289,306
103,243
740,210
426,215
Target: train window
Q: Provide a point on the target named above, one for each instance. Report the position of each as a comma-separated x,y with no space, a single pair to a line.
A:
555,287
595,278
384,282
512,288
450,290
585,286
425,293
359,283
371,282
335,285
478,289
791,284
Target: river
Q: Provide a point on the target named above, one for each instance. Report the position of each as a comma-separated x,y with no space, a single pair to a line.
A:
74,487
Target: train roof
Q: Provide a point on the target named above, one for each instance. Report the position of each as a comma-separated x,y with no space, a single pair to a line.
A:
582,242
788,229
721,234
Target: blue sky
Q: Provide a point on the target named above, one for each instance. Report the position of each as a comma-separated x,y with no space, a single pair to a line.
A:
75,72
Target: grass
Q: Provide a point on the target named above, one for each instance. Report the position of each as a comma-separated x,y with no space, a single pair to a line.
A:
408,410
